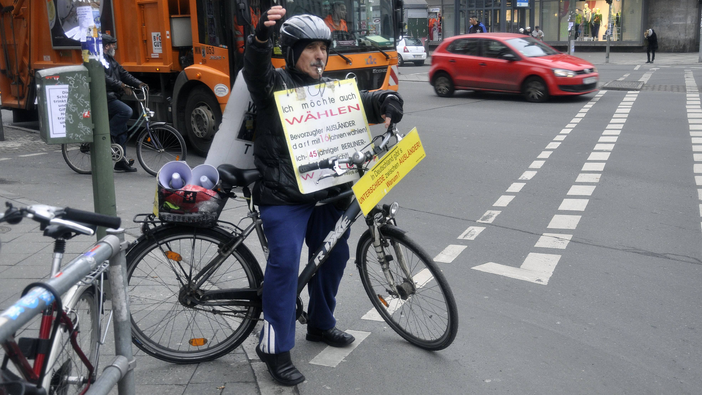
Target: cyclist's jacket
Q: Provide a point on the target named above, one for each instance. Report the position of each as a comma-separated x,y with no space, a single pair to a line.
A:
114,76
271,155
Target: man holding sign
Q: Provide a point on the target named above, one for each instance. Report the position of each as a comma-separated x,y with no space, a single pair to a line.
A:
289,216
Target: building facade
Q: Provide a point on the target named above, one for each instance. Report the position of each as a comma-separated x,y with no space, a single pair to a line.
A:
676,22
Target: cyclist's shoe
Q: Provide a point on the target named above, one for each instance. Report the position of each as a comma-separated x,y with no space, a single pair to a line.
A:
280,366
333,337
131,162
124,166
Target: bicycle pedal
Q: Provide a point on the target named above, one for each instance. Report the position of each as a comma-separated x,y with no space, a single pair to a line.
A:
302,318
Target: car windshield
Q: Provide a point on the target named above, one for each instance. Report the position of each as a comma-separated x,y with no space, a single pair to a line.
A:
531,47
412,42
355,26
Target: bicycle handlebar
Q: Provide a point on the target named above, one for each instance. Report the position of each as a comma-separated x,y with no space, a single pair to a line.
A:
47,215
359,157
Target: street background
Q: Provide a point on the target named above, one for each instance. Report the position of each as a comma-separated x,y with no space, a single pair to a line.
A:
620,312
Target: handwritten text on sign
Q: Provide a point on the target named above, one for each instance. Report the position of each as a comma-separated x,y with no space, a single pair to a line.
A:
321,121
388,172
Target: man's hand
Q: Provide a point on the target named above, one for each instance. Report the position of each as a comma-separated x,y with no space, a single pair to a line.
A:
269,18
391,109
143,84
127,89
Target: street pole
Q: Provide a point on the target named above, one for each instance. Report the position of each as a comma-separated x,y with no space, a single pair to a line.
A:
700,50
571,28
101,150
609,31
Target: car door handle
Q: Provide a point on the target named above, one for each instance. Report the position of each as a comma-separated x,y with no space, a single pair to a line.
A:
483,64
452,60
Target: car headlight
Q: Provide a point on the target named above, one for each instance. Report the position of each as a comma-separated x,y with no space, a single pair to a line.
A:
564,73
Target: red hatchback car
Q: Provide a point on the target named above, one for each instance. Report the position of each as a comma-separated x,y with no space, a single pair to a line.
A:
507,62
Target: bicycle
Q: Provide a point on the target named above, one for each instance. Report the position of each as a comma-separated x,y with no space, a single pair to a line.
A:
195,292
156,144
67,348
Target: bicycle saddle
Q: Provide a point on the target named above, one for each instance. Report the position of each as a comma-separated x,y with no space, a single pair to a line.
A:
236,177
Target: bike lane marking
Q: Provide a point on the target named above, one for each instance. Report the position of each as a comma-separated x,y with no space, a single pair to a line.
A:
537,267
332,356
451,252
694,113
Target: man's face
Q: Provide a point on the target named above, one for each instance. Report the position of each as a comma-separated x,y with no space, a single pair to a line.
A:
341,11
110,49
313,57
472,21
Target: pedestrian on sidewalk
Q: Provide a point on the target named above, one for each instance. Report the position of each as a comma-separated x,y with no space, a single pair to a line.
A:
476,26
652,40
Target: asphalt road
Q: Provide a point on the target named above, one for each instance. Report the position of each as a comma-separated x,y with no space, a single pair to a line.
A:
569,231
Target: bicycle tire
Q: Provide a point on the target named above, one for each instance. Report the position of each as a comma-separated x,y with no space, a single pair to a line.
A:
77,157
426,316
167,145
165,328
65,366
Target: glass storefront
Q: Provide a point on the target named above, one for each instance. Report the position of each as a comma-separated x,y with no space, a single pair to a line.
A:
590,19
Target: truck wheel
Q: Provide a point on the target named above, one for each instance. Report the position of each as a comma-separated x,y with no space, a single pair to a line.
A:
202,118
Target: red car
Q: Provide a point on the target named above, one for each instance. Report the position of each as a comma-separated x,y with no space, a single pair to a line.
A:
507,62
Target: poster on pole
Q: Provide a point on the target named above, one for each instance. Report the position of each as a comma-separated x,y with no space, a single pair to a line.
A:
322,121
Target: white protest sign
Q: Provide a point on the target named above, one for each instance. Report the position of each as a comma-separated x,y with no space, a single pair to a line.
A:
321,121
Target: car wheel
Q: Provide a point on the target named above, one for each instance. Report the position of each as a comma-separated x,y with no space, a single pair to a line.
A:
400,61
419,63
535,90
443,85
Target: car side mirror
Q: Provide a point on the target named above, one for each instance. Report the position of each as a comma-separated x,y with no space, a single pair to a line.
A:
509,56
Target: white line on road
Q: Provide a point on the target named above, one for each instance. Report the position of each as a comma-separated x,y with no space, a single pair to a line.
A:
449,253
536,268
471,233
332,356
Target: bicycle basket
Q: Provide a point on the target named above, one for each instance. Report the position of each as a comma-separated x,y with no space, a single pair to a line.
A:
192,205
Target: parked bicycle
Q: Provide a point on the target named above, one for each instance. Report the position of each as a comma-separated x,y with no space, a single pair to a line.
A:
157,143
66,348
195,292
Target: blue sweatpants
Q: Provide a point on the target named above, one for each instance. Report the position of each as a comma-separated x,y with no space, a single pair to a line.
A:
286,228
119,116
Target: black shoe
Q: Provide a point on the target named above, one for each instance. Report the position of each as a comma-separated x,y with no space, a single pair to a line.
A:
332,337
281,368
131,162
124,166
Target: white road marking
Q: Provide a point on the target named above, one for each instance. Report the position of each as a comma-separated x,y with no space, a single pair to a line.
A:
560,137
566,131
553,145
544,155
614,126
588,177
581,190
516,187
420,280
527,175
471,233
617,121
28,155
611,132
332,356
503,201
599,156
604,147
608,139
489,216
536,268
560,221
593,166
553,240
697,157
573,204
449,253
698,180
537,164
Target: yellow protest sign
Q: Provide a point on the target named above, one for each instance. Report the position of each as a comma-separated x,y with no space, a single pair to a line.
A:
321,121
388,172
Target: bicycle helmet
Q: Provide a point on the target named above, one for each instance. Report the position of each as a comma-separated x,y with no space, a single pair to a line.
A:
302,29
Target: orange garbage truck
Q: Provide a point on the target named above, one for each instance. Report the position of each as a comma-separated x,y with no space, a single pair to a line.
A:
187,51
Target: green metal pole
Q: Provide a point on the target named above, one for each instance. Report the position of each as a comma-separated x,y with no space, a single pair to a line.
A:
101,153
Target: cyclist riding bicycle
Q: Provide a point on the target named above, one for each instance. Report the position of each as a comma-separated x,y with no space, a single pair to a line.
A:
290,217
118,82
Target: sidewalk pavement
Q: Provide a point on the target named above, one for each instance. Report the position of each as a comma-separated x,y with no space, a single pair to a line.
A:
664,59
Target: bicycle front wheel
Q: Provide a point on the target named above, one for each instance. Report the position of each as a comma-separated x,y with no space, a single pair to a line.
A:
169,322
77,156
66,373
408,290
159,145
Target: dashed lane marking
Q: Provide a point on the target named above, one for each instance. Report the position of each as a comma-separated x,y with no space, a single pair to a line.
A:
332,356
449,253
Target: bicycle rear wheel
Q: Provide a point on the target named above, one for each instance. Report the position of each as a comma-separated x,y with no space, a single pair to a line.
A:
77,156
420,307
66,373
168,322
162,145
